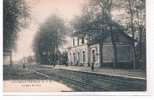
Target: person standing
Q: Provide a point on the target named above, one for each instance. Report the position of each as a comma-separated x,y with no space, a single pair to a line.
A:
92,66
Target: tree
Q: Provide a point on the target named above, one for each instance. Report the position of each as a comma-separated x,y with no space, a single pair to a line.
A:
135,23
63,59
15,13
97,21
136,27
106,7
48,39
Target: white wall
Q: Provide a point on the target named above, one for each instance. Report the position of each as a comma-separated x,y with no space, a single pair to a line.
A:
76,50
123,53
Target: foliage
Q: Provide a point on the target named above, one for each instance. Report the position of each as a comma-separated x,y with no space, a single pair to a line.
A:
48,39
14,14
99,18
136,27
96,20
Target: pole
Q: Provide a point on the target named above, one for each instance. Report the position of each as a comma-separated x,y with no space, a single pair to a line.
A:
11,58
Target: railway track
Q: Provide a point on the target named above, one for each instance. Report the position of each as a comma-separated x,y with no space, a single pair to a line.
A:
82,81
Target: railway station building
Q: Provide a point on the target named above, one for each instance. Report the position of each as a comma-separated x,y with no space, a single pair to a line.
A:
87,49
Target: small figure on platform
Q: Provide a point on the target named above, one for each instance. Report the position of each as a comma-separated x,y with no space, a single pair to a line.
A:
92,66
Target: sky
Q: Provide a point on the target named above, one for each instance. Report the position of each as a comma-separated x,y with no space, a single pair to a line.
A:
40,11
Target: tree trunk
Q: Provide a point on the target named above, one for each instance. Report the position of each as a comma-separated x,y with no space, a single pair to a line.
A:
133,31
134,57
140,40
88,53
115,61
101,53
88,56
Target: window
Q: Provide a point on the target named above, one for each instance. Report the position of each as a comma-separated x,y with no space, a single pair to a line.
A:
84,56
93,56
82,40
74,57
78,57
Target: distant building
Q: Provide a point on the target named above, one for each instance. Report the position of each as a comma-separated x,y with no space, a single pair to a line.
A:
7,57
87,50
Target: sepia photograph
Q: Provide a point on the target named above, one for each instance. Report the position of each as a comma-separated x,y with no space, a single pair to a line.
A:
73,46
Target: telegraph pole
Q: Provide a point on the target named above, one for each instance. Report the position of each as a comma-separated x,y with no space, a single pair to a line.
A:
11,62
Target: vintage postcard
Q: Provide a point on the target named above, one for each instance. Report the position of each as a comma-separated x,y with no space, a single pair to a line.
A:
70,46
